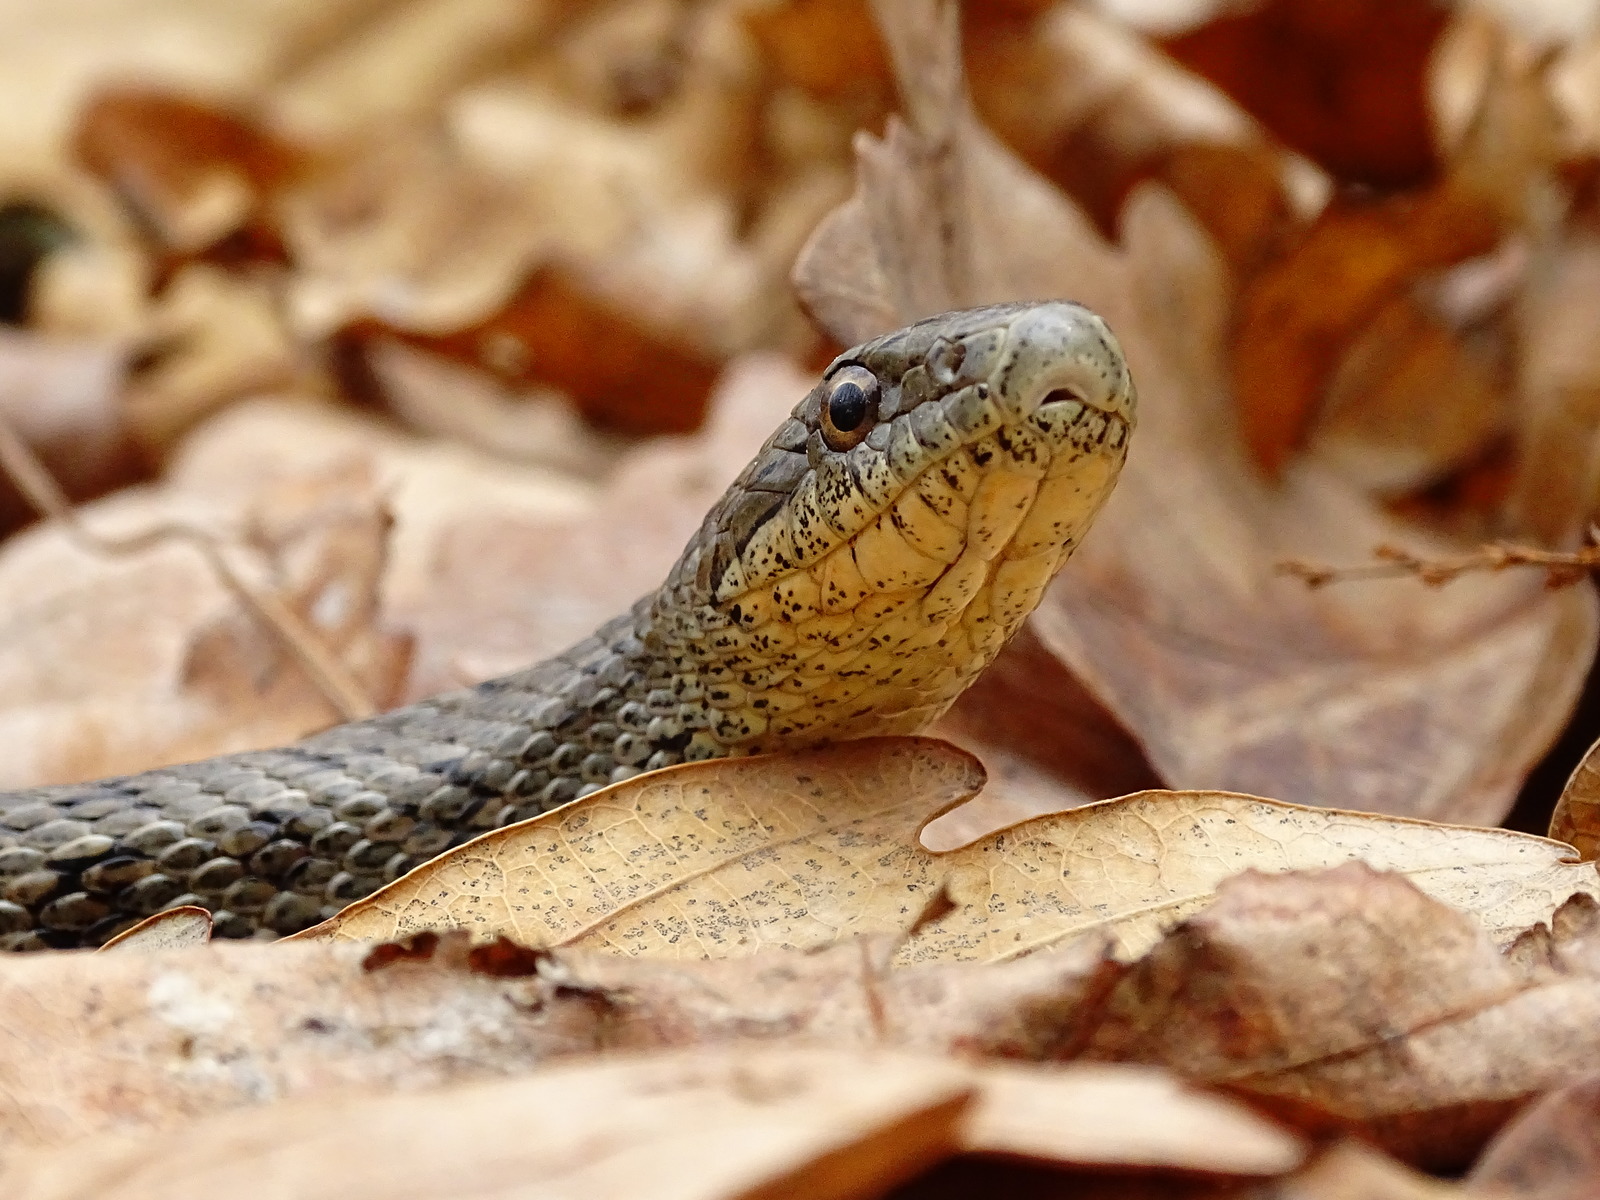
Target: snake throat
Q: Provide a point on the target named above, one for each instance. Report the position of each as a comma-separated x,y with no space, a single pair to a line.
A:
850,583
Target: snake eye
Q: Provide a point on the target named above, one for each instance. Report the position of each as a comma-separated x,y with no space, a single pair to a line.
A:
848,406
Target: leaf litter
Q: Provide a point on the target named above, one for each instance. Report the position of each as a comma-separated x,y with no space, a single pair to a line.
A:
438,212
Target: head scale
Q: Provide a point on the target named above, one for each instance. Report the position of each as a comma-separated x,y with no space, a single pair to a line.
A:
895,531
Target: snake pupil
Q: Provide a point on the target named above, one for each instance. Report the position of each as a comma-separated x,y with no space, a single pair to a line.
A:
847,407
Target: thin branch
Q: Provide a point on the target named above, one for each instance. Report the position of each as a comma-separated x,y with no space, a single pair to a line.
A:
1561,568
337,685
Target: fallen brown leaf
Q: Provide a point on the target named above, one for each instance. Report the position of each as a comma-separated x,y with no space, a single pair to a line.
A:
1349,999
1348,1170
239,1025
794,850
195,174
1315,75
1099,109
698,1125
1121,1117
1300,314
1576,819
1548,1152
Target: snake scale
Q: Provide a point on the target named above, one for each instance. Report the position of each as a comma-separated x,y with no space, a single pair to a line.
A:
868,563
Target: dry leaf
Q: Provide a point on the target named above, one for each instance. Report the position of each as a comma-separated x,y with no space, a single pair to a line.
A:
1348,998
1316,76
1099,109
1557,492
1348,1170
402,60
1381,696
194,174
1124,1118
736,856
1547,1152
1300,314
170,930
1576,819
241,1024
699,1125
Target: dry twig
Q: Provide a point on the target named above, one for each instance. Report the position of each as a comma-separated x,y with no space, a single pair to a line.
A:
1561,568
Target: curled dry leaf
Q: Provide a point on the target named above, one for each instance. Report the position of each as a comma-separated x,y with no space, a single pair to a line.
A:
1348,998
697,1126
1576,819
793,850
1387,697
170,930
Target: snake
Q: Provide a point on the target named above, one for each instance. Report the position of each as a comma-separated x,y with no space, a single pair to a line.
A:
869,562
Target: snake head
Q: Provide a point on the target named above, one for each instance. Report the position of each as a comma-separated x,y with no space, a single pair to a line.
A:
897,529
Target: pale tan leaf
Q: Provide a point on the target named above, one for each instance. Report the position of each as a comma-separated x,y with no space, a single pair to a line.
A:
1124,1118
694,1126
731,857
703,860
170,930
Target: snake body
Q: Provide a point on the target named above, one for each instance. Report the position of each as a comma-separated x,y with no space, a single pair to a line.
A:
870,561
